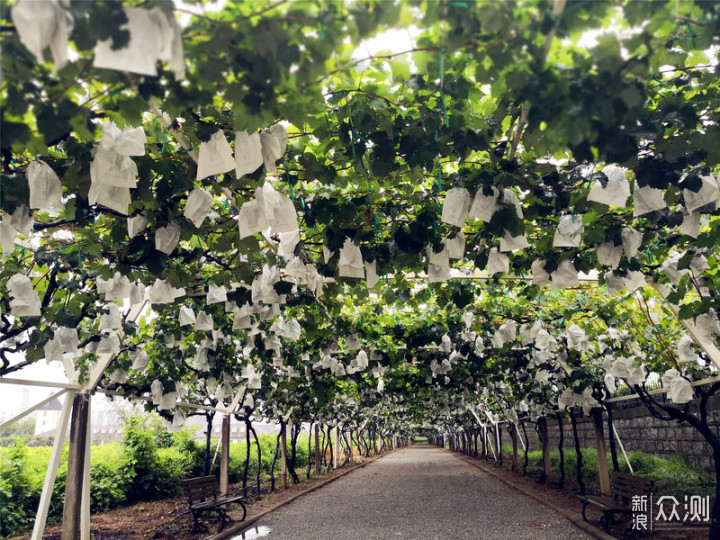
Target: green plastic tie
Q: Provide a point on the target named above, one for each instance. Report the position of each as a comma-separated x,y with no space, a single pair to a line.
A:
287,177
115,92
654,77
692,35
167,133
226,205
80,260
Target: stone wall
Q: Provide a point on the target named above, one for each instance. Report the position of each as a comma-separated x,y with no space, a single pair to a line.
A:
638,430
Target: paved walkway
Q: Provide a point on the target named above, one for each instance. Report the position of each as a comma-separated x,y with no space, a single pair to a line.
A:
421,492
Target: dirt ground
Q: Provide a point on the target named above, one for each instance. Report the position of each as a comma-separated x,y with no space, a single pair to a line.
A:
165,520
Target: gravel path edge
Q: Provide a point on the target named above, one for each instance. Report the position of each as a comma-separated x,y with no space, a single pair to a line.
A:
244,525
578,522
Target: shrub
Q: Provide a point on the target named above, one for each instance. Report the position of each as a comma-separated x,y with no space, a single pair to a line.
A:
15,506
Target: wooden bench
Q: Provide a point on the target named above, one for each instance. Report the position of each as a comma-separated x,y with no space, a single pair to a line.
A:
624,488
203,495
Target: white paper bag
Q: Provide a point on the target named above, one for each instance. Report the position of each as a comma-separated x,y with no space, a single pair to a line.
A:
162,292
484,206
242,323
686,350
691,224
635,280
577,339
456,246
115,198
68,339
438,273
565,276
370,274
197,206
109,344
110,168
631,241
136,224
167,238
42,24
216,294
512,243
352,342
204,321
125,142
679,389
539,275
187,316
171,41
153,37
351,263
285,216
251,219
53,351
505,334
498,262
248,153
707,194
139,359
45,187
609,254
215,156
456,207
24,301
120,288
22,220
615,192
7,236
112,320
509,198
137,293
647,199
273,141
569,232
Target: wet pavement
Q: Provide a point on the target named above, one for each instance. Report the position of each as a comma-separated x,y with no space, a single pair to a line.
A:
421,492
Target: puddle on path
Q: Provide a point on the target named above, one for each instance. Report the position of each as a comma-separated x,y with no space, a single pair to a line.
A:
251,534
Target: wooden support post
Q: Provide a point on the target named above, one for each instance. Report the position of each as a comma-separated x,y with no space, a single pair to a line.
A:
317,448
484,444
76,464
51,474
283,456
336,449
603,471
545,440
514,438
85,504
225,455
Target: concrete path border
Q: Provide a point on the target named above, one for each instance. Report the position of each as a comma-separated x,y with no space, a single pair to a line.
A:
244,525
